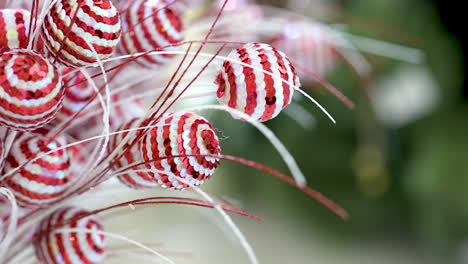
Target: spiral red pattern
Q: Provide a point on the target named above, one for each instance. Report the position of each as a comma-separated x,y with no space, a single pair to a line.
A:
70,247
40,182
14,29
148,25
96,24
31,90
181,133
252,91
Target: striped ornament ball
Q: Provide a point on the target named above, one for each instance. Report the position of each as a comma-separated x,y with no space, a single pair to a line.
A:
40,182
134,178
86,246
78,92
261,90
148,26
78,33
14,29
31,90
175,146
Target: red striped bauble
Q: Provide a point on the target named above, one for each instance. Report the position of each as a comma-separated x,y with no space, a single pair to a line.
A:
31,90
124,109
311,47
252,91
96,24
148,26
14,29
181,134
132,179
80,247
78,92
40,182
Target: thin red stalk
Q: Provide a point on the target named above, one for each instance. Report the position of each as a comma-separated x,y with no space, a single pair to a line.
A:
332,206
339,95
156,201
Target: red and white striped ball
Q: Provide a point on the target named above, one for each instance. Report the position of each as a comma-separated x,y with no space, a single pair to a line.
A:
43,181
132,179
124,109
311,47
180,134
96,24
78,92
252,91
14,29
31,90
149,26
85,247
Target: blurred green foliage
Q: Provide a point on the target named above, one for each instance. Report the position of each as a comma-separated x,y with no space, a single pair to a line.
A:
409,183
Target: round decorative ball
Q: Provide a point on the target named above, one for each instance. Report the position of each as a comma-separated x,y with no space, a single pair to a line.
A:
77,33
311,46
78,92
250,89
40,182
31,90
148,26
132,179
87,247
14,29
175,145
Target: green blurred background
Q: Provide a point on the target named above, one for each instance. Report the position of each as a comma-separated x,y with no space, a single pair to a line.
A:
405,185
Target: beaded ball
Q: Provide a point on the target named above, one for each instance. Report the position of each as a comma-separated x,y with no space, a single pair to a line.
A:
132,179
40,182
14,29
148,26
31,90
252,91
311,47
86,246
76,33
180,134
78,92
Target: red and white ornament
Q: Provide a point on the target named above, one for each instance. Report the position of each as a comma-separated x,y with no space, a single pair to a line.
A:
31,90
148,26
78,92
40,182
132,179
311,47
70,29
124,109
180,134
14,29
70,247
252,91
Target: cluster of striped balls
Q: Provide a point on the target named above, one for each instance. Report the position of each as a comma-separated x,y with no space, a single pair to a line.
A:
42,82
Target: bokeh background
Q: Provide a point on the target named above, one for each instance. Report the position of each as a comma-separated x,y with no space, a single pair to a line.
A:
397,163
